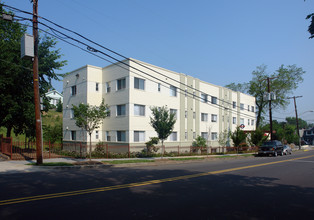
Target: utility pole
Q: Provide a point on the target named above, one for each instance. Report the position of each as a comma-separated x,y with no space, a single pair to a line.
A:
296,117
39,153
270,115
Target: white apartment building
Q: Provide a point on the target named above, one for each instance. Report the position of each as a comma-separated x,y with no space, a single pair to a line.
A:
131,87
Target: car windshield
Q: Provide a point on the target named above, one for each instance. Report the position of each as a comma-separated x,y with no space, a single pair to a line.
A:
268,143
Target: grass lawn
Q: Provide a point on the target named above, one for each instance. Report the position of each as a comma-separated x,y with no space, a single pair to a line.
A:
187,158
127,161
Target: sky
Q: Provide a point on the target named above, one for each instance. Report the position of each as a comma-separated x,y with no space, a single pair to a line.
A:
217,41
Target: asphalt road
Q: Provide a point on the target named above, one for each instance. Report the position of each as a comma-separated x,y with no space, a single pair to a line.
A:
247,188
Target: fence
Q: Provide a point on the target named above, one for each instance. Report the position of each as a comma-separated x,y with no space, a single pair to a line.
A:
27,150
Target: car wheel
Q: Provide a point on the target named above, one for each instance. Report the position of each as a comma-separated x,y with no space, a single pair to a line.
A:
275,154
281,153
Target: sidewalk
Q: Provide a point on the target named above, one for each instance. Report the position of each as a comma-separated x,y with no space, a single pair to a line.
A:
14,166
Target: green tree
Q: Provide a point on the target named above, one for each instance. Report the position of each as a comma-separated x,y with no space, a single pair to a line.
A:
223,138
238,137
256,138
199,142
162,121
150,145
285,80
293,121
16,78
90,118
59,106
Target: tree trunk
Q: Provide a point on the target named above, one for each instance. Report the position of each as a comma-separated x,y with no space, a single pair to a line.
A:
9,128
162,148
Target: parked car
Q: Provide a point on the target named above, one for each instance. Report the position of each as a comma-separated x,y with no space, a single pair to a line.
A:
271,148
287,150
303,142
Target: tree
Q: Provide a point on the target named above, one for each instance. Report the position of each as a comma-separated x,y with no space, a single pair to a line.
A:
285,80
16,77
223,138
162,121
293,121
90,118
59,106
150,145
256,138
311,26
238,137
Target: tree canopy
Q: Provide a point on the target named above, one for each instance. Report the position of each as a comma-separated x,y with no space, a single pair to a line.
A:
16,81
311,26
285,80
162,121
90,118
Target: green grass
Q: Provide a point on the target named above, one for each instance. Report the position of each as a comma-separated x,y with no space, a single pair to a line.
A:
188,158
127,161
243,155
52,164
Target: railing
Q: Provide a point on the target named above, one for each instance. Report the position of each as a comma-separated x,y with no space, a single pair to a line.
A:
17,150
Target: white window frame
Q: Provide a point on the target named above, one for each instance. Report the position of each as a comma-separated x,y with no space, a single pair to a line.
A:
122,84
121,110
139,136
173,91
214,118
204,117
121,136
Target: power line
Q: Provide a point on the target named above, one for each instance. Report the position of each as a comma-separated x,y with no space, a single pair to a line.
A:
95,50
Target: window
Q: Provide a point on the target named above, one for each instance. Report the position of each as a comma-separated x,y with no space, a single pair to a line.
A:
139,83
204,117
241,106
174,111
108,137
108,87
173,136
242,121
194,135
109,112
186,93
139,136
234,104
120,110
73,90
194,115
71,113
139,110
234,120
121,84
248,122
73,135
214,118
97,134
186,135
252,108
204,135
173,91
97,87
186,114
121,136
214,100
214,136
204,98
252,122
159,87
248,107
194,95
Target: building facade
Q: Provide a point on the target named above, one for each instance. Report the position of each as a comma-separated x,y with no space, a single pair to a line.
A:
132,87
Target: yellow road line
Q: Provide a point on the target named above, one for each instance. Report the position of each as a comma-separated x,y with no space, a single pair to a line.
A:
131,185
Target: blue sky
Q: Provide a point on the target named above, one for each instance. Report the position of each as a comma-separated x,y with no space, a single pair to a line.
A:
218,41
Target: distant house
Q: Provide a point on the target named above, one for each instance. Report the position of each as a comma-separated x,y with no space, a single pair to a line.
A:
54,97
308,136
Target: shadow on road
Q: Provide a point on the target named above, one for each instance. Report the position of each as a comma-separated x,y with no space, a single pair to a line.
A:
223,196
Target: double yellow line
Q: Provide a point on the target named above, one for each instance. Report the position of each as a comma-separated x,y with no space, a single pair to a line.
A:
131,185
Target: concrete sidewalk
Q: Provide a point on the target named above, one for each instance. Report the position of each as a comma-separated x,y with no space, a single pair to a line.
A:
13,166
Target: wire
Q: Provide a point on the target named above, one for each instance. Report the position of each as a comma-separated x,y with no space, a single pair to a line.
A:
91,49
